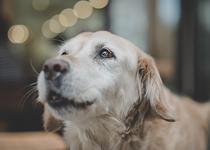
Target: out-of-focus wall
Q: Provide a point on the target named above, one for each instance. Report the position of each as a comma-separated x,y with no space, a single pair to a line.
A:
130,19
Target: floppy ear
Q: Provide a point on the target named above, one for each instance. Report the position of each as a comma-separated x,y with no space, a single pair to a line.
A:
151,88
51,124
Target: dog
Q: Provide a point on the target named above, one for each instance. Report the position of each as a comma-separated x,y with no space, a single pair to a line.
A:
108,95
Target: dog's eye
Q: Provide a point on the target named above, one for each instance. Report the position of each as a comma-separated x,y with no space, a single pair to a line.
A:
106,53
64,53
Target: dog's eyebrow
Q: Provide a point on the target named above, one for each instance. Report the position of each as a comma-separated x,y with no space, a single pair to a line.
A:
97,49
99,46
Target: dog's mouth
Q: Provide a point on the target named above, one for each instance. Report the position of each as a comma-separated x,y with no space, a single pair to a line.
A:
56,100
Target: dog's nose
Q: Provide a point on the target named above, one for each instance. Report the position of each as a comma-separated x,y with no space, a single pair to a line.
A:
54,68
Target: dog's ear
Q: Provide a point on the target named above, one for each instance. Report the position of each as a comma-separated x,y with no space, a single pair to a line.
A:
151,88
51,124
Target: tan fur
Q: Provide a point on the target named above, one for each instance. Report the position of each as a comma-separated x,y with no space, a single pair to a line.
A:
50,123
135,112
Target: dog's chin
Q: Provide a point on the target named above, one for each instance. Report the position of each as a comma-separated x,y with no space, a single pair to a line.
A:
63,108
58,102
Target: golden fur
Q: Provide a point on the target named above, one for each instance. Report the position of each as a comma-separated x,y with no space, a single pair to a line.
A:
132,110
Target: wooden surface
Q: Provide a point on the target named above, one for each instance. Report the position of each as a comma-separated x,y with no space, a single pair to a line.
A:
31,141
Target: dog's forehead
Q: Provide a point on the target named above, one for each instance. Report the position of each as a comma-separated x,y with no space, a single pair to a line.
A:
76,43
85,44
89,39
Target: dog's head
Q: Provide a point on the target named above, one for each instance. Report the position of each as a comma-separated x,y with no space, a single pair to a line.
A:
100,73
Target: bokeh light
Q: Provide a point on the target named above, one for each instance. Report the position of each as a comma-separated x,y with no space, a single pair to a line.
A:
67,18
46,30
99,3
58,26
83,9
18,34
54,26
40,5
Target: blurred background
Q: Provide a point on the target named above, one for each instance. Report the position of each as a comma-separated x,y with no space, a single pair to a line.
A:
175,32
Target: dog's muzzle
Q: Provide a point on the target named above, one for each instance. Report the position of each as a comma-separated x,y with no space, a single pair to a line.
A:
54,70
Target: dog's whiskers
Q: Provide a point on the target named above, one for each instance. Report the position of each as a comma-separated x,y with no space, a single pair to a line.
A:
33,91
61,41
33,68
64,40
28,86
35,101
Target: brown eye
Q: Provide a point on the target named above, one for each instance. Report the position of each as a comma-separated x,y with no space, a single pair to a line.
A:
106,54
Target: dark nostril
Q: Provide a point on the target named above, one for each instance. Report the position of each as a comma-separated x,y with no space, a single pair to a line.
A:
53,68
62,67
57,68
46,68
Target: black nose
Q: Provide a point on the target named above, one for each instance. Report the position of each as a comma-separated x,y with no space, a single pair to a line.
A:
54,68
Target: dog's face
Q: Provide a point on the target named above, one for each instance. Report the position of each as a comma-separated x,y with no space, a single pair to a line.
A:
98,73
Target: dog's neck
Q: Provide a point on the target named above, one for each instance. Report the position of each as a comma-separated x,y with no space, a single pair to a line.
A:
96,134
105,132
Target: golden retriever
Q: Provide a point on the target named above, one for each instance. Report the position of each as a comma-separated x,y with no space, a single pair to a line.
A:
108,95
